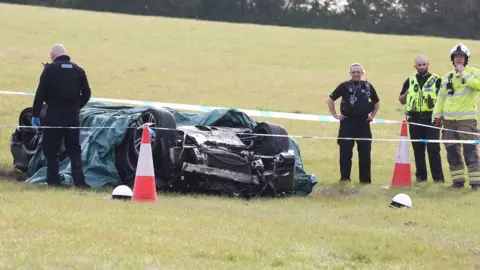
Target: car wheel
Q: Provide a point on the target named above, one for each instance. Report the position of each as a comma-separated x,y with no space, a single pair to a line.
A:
271,145
125,167
28,135
161,141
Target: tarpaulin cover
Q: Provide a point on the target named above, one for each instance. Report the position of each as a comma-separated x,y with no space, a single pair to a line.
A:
99,143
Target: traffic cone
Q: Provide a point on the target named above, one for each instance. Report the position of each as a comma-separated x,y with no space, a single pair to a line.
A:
401,172
144,188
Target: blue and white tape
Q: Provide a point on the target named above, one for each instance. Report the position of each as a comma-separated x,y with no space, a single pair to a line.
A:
267,114
265,135
201,108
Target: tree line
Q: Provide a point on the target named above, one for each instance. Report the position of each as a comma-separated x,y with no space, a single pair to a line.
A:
443,18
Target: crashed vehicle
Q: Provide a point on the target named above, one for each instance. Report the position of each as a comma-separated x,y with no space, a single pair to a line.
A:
219,152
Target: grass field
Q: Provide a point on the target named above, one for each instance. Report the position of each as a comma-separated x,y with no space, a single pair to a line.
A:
240,66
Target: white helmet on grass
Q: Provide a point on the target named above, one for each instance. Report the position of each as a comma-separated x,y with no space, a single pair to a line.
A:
401,200
122,192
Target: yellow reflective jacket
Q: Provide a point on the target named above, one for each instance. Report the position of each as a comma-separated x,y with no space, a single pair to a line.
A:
461,102
421,99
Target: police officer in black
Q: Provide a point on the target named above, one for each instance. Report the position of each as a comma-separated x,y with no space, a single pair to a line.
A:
359,105
65,89
419,94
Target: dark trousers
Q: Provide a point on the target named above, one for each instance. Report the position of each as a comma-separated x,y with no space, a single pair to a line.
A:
355,128
52,139
433,149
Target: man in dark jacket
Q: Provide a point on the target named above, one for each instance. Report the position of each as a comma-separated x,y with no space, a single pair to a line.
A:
65,89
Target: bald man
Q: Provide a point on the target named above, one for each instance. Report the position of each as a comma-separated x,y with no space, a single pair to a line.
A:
419,94
65,89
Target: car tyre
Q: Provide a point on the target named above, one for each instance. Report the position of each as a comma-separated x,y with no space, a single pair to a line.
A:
271,145
30,136
162,141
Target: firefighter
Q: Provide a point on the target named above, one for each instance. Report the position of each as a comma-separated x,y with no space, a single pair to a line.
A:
358,107
65,89
419,93
456,109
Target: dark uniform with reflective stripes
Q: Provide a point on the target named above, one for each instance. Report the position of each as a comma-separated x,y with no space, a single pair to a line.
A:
421,98
357,103
65,89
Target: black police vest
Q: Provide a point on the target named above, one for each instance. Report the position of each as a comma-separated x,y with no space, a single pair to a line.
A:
357,101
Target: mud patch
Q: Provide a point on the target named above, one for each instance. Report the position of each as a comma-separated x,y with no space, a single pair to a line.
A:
12,175
336,191
411,223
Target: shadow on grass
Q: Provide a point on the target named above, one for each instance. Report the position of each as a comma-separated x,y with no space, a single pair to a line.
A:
9,174
427,190
337,191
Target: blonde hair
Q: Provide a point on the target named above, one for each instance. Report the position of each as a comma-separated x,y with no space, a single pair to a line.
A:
356,65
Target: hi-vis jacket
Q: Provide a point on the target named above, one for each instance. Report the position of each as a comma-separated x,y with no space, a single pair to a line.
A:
422,99
457,97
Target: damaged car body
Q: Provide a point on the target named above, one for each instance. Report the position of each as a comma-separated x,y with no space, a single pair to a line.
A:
208,158
224,157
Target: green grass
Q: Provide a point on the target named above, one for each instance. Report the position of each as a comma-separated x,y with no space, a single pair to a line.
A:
241,66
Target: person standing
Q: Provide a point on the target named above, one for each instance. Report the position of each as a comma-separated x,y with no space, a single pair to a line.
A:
65,89
456,110
419,94
359,105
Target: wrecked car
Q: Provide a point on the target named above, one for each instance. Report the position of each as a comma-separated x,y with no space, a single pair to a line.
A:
219,152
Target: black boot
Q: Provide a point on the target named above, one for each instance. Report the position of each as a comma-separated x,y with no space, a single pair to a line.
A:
458,185
475,187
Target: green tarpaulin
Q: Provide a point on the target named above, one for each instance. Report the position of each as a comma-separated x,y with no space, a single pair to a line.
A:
99,143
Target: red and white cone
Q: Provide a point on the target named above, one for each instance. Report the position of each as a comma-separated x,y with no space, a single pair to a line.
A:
402,172
144,188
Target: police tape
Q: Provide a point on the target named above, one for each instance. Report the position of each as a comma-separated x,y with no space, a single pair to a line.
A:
201,108
445,129
38,128
267,114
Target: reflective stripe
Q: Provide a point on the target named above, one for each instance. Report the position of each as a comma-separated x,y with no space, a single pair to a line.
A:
467,90
432,81
436,115
470,74
403,154
445,80
457,173
442,94
471,113
145,165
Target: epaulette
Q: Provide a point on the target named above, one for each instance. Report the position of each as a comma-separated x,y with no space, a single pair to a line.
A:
432,81
366,83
